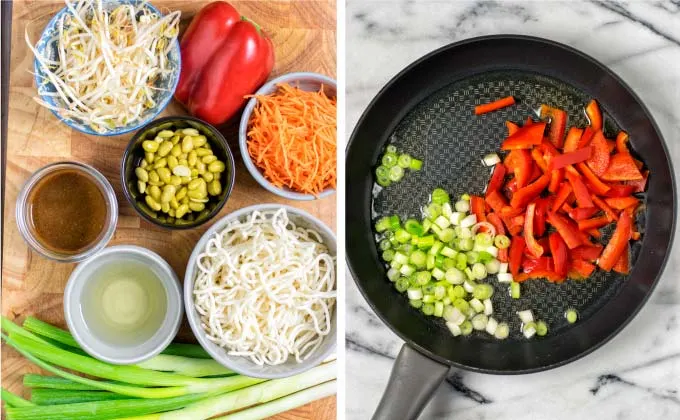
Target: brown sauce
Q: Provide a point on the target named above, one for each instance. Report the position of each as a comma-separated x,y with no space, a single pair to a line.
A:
67,211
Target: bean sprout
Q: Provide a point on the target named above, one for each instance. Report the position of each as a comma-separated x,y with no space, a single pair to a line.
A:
102,66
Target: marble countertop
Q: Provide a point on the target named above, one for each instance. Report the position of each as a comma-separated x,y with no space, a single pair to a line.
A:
637,374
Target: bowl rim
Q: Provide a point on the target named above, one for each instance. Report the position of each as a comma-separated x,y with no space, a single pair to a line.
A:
229,188
243,137
194,320
170,284
128,128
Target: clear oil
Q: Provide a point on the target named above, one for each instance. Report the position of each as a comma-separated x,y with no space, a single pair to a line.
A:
124,303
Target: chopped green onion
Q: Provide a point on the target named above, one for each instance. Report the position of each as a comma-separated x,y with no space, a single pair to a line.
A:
491,159
479,322
428,309
429,299
454,328
501,241
382,224
439,292
388,255
457,292
416,303
541,328
526,316
461,261
436,246
502,331
416,164
484,239
382,172
383,181
404,161
433,211
446,235
448,263
439,261
462,305
406,248
465,244
488,307
465,233
413,227
472,257
462,206
479,272
440,196
389,160
455,276
503,268
469,221
484,257
418,258
529,329
477,305
449,252
453,314
402,236
385,244
391,149
465,197
431,262
414,293
427,224
407,269
469,286
504,277
571,315
491,326
393,274
400,258
438,274
394,222
482,291
423,277
492,266
466,328
447,211
442,222
438,309
396,173
514,290
468,273
402,284
456,218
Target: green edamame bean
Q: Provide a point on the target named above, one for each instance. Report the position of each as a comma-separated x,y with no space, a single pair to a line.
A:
196,206
201,167
149,146
155,192
187,144
164,148
176,150
181,193
181,211
200,140
193,158
175,139
197,193
208,176
165,207
153,204
194,184
216,166
190,132
166,134
142,174
172,162
168,193
208,159
141,187
200,152
149,156
194,173
164,174
186,179
175,180
153,177
161,163
183,162
214,188
174,203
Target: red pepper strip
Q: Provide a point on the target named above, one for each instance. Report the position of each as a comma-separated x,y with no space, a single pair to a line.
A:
573,138
556,178
524,195
565,229
594,115
622,168
570,158
512,127
542,205
595,184
495,105
635,236
496,201
541,263
580,190
525,138
477,208
594,233
516,252
595,222
551,276
538,157
528,122
622,264
618,242
496,221
562,195
587,136
497,177
580,269
503,255
510,188
558,124
622,142
611,146
611,214
559,252
516,224
582,213
508,211
599,159
534,248
631,210
520,163
621,190
640,185
638,163
620,203
535,173
588,253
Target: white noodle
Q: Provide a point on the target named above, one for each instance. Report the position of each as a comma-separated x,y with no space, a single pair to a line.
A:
265,289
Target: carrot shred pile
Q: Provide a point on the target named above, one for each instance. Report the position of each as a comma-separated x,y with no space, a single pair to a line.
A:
292,139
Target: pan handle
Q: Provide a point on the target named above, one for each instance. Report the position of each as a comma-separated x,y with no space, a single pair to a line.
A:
412,383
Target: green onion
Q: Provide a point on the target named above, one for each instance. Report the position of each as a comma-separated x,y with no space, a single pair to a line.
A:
413,227
465,197
529,329
382,224
479,272
414,293
428,309
402,236
436,246
491,326
466,328
389,159
472,257
396,173
438,273
416,164
13,400
400,258
468,273
454,276
438,309
502,331
461,261
404,161
407,269
32,380
433,211
493,266
479,322
440,196
469,286
430,263
485,257
60,396
483,291
382,172
571,315
393,274
383,181
514,290
458,292
448,263
385,244
449,252
402,284
427,224
418,258
462,206
439,292
447,211
394,222
484,239
456,218
541,328
388,255
442,222
391,149
501,241
423,277
461,304
416,303
488,307
465,244
446,235
477,305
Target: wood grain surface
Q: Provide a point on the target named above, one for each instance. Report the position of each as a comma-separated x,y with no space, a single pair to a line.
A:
304,36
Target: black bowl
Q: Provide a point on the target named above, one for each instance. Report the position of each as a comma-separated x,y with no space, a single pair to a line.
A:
134,153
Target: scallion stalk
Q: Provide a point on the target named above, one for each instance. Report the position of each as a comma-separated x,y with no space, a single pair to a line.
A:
13,400
60,396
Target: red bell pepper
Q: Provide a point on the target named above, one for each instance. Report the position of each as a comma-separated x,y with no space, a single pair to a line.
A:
570,158
620,190
595,184
620,203
495,105
573,138
586,137
503,255
525,138
556,178
622,264
588,253
528,122
611,146
594,223
520,163
496,201
530,264
594,233
618,242
535,173
532,246
558,250
570,235
622,168
524,195
563,194
224,58
549,275
622,142
497,178
496,221
582,213
594,115
517,245
580,269
512,127
537,155
558,124
542,205
611,214
638,163
477,208
580,190
599,159
639,185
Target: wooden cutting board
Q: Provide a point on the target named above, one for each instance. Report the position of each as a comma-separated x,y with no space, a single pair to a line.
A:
304,36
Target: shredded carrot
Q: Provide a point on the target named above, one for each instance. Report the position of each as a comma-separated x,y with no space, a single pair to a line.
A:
495,105
292,139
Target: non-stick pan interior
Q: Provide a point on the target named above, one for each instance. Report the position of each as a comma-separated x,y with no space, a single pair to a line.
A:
444,132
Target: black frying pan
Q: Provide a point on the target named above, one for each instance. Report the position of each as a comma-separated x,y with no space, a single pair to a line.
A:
427,111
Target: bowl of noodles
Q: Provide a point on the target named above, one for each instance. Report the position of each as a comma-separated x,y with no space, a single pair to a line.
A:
260,291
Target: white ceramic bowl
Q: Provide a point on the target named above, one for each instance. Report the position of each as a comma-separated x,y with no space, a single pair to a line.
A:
244,365
137,352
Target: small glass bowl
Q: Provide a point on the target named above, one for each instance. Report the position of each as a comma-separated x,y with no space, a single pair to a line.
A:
23,212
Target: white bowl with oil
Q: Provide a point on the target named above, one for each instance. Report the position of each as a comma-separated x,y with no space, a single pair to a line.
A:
123,305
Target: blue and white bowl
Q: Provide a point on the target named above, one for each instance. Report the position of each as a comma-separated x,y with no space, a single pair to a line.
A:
47,45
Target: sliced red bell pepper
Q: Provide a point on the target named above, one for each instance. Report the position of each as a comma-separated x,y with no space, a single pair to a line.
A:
512,127
542,205
594,223
586,137
570,158
594,115
528,122
580,190
622,142
620,203
551,276
620,190
580,269
594,183
594,233
496,201
573,138
503,255
635,235
611,214
562,195
638,163
530,264
537,155
570,235
516,225
520,163
517,246
525,138
477,207
640,185
496,221
532,246
588,253
535,173
599,159
524,195
558,250
495,105
556,178
631,210
510,188
622,264
622,168
497,178
618,242
582,213
558,124
611,146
